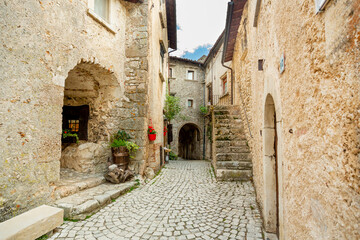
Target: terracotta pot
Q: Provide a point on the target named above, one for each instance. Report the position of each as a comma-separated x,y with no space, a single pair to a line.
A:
152,137
121,157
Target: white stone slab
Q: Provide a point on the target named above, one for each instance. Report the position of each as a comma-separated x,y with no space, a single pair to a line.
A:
32,224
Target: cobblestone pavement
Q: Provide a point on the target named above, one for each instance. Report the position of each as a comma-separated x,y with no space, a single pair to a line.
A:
183,202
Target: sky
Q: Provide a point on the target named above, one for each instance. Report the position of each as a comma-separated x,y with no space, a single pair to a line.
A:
200,23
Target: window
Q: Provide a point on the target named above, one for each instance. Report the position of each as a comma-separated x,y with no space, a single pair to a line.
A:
190,75
74,125
224,85
170,73
101,8
162,56
190,103
75,118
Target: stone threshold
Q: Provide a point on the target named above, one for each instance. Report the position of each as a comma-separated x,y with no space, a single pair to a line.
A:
87,202
72,182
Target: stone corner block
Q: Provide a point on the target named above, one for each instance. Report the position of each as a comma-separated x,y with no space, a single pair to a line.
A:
32,224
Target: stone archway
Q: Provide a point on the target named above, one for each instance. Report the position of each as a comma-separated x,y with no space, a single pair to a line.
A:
90,97
271,168
190,142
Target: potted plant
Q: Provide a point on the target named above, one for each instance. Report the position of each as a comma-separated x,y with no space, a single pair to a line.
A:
151,133
69,136
122,149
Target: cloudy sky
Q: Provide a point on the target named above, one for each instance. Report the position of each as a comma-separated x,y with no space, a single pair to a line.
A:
200,23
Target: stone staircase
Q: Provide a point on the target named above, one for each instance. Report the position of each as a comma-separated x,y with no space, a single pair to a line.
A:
83,194
232,161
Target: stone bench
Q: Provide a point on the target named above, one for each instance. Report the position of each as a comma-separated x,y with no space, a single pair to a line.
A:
32,224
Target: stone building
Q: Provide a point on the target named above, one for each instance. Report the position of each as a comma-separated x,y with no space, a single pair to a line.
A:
217,76
186,81
296,66
92,66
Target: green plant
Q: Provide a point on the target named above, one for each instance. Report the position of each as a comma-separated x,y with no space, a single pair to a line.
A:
43,237
121,139
132,147
173,156
122,135
204,110
172,107
67,133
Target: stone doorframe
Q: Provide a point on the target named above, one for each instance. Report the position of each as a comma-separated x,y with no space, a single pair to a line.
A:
272,187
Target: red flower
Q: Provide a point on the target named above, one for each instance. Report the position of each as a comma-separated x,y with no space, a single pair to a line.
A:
65,132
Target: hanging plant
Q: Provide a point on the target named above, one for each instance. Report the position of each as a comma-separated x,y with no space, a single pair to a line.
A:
151,133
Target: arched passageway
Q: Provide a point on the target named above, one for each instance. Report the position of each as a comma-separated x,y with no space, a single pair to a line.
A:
90,95
190,142
271,178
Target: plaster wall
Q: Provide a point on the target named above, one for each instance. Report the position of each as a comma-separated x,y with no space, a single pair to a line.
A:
317,107
214,70
158,76
186,89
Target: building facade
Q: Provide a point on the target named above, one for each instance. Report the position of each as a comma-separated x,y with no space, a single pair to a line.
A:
95,67
186,82
296,67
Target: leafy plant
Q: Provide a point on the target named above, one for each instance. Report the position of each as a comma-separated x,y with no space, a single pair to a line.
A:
172,107
121,139
204,110
67,133
118,143
173,156
122,135
132,147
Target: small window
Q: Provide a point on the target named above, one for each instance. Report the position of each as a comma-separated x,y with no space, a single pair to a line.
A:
162,56
101,8
224,85
190,103
170,73
74,125
190,75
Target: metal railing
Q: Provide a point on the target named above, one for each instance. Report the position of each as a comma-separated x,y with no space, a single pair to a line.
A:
220,100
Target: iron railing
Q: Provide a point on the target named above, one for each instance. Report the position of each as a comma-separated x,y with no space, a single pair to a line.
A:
220,100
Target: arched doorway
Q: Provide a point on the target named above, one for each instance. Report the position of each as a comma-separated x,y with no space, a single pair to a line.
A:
90,96
270,164
190,142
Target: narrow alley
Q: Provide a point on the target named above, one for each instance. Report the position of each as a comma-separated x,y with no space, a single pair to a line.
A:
183,202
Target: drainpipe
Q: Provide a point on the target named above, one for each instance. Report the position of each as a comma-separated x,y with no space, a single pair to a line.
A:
204,143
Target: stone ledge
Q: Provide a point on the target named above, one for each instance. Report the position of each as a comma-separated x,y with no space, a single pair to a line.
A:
89,201
32,224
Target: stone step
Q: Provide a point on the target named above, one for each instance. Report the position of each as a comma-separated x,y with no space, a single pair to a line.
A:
233,157
228,143
242,149
67,187
225,131
233,175
89,201
229,125
235,165
230,137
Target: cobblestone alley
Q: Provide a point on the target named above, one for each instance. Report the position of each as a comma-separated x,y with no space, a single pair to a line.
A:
183,202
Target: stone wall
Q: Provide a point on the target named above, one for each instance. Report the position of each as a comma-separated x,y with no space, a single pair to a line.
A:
47,44
185,89
316,102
